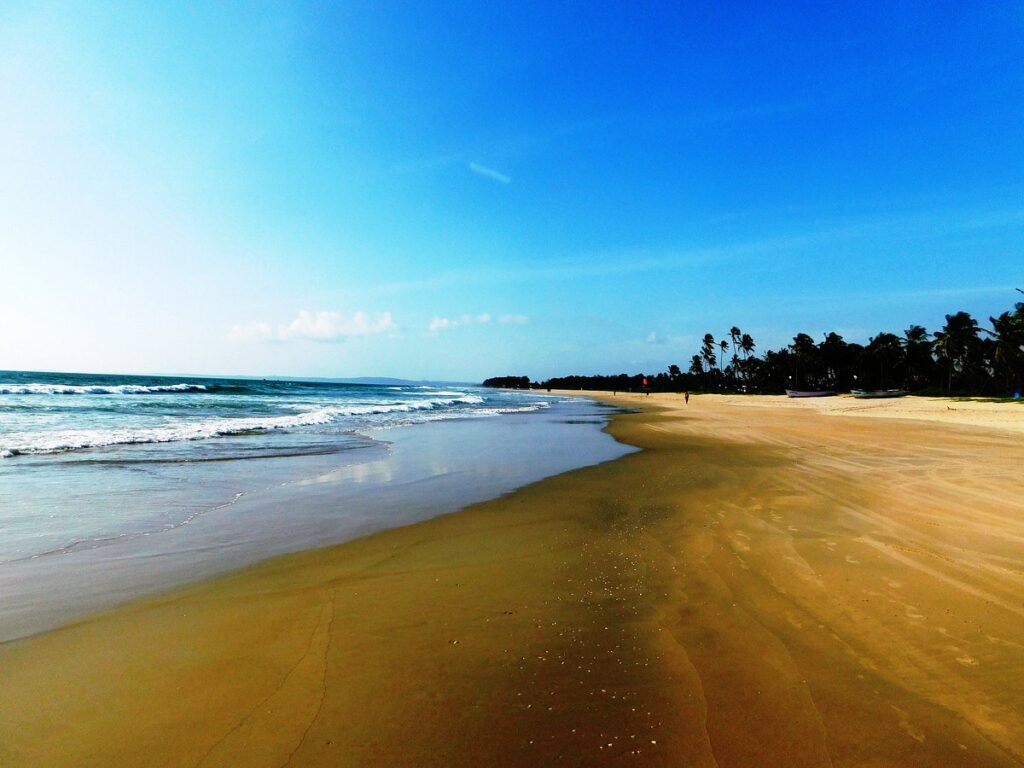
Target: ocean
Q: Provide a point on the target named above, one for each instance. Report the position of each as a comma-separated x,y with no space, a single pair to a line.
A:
114,486
157,418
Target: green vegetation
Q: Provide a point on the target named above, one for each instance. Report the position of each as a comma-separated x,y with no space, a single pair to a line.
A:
509,382
961,358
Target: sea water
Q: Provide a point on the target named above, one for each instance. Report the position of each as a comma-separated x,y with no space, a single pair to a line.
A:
114,486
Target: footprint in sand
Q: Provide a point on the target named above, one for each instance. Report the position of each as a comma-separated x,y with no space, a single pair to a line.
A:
913,731
912,613
852,560
893,583
965,659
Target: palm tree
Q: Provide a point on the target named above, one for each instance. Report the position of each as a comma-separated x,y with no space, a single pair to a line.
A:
916,349
707,350
747,345
735,334
803,348
1008,334
955,342
886,347
696,365
945,351
835,357
915,334
724,346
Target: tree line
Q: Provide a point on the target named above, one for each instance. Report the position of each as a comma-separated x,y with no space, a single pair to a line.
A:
961,358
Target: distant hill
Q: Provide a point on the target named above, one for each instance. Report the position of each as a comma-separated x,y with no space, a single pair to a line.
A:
389,382
379,381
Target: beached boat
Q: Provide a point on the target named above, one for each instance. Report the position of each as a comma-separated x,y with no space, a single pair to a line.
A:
808,393
865,394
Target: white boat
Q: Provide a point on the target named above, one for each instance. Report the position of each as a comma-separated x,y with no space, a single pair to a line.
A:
808,393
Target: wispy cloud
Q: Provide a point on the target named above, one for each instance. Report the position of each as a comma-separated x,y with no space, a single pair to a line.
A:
654,338
490,173
447,323
439,324
316,326
515,145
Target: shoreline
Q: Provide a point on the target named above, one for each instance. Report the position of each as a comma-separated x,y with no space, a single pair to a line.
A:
277,506
757,586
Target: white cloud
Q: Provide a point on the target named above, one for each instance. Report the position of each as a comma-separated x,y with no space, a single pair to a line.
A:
317,326
443,323
331,326
654,338
484,318
490,173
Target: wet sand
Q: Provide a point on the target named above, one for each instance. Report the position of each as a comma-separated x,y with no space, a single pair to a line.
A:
760,586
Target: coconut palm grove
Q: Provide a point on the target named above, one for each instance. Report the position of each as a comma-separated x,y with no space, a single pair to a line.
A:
964,357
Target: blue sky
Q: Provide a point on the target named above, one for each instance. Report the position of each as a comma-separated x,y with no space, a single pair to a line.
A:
455,190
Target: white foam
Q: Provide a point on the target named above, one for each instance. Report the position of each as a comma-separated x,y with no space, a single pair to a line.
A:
57,441
476,413
96,389
528,408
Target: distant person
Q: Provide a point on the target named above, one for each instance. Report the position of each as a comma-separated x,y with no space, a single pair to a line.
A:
646,390
686,398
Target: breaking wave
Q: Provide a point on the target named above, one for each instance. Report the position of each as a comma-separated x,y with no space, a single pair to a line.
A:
59,441
97,389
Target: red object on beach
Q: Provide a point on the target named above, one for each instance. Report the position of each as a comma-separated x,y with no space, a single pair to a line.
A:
645,381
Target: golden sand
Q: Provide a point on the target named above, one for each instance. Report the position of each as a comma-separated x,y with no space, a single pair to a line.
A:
970,412
762,586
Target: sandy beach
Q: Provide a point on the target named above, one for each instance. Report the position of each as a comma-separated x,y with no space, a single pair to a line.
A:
1005,416
767,583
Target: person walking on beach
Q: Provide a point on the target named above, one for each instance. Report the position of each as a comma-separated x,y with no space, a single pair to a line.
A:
647,392
686,398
